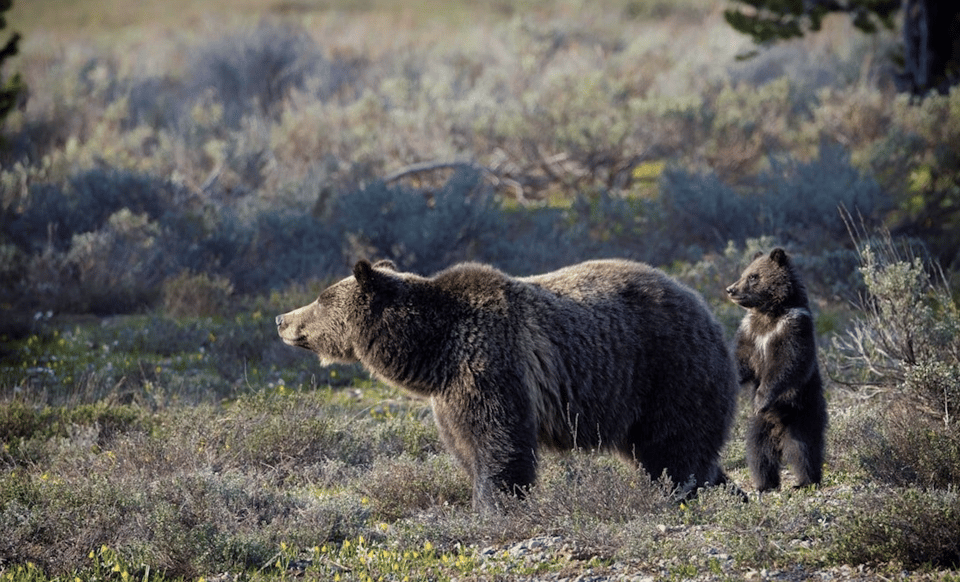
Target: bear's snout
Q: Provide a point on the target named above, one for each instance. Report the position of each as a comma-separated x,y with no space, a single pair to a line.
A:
731,291
279,320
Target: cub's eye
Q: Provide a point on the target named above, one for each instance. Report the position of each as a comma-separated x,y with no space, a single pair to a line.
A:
753,278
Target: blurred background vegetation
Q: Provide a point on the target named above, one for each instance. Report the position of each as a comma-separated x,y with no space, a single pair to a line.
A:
257,149
272,145
173,175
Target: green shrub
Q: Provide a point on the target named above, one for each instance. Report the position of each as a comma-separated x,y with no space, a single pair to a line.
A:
53,214
20,422
905,341
535,240
196,295
419,230
916,161
118,267
12,271
901,449
705,208
908,334
798,197
796,200
253,71
110,270
909,527
25,426
275,250
402,487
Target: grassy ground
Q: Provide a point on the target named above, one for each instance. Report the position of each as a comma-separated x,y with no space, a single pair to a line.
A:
150,448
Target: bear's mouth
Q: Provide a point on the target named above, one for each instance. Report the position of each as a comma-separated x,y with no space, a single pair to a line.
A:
292,337
741,299
744,301
299,341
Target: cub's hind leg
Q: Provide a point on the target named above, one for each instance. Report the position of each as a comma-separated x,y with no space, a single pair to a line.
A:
763,452
803,451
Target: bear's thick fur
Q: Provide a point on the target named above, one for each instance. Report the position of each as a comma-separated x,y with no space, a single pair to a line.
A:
605,354
776,354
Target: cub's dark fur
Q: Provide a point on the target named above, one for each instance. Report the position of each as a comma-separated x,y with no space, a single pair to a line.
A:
776,353
604,354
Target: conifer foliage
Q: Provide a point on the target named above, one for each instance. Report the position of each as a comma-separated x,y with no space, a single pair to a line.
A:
930,57
12,87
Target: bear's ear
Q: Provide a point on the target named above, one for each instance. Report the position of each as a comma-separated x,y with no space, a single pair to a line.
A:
364,273
385,264
370,279
757,255
779,256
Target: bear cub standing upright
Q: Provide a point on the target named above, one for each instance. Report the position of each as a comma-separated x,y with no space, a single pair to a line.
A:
777,356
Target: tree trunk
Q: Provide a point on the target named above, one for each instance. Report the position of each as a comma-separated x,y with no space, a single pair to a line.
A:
931,45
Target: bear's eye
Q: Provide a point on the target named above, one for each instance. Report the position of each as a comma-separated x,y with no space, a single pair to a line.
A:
753,278
325,298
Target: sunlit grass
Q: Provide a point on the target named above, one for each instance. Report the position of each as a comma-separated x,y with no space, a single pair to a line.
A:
114,18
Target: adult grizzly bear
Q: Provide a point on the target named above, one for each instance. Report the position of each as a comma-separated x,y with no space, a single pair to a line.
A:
605,354
777,356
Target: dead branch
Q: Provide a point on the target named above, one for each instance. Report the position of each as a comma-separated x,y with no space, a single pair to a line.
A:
497,179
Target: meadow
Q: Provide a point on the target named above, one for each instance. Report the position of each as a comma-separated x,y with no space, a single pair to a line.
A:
180,173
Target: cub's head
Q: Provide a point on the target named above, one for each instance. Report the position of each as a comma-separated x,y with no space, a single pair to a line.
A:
769,284
330,326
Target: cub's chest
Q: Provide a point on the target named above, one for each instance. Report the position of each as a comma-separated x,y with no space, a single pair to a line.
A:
768,333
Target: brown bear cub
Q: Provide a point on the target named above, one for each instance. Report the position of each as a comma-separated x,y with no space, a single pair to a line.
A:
608,354
777,356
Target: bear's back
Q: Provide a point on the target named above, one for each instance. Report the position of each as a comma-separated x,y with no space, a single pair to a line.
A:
615,339
597,280
607,295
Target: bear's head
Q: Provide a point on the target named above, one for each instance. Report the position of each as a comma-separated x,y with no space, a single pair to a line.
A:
330,326
769,284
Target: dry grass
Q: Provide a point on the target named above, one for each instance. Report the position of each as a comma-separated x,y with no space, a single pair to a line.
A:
205,488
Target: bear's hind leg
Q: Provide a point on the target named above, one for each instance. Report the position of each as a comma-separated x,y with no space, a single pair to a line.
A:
763,453
673,456
803,453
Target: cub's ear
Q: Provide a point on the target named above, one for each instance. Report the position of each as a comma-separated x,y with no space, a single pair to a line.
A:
757,255
779,256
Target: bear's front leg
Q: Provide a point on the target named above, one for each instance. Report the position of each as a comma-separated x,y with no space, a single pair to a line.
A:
763,398
493,441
